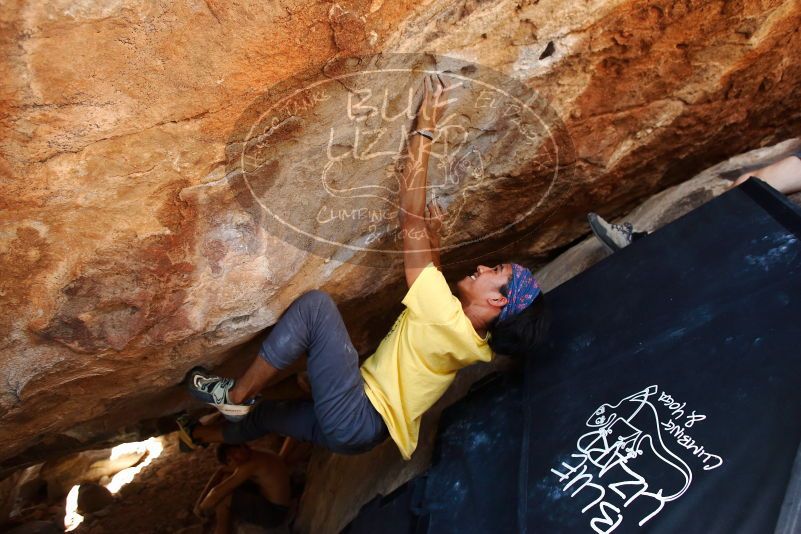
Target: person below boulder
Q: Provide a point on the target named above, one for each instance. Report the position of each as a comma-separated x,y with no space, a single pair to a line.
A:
251,487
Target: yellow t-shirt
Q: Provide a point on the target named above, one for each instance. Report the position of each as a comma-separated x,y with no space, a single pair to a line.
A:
418,359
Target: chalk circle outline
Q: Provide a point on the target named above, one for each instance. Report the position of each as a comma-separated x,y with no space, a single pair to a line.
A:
354,248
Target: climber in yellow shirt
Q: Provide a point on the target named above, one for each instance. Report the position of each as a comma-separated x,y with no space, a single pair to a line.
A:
353,408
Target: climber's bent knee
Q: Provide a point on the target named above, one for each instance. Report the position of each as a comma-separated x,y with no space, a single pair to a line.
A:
316,297
314,311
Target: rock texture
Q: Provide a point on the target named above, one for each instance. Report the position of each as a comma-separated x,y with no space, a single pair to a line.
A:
127,253
159,499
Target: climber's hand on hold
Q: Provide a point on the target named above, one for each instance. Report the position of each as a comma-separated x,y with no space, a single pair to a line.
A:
434,102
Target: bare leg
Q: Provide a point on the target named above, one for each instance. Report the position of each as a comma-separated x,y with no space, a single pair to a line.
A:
222,515
253,381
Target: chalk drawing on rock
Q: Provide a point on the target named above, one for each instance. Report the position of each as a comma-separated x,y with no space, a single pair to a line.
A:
626,457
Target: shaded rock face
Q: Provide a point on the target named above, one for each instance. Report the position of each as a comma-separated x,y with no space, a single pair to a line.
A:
131,249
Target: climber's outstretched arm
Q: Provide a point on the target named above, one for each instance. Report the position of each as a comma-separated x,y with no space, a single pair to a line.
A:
416,246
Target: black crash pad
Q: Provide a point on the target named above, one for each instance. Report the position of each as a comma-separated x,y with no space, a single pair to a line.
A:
396,513
667,398
474,478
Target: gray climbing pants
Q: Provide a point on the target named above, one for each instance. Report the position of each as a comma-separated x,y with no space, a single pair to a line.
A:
340,417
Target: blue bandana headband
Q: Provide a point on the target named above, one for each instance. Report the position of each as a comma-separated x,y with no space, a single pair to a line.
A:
522,289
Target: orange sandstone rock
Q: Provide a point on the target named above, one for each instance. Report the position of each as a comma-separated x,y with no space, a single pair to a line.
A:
128,254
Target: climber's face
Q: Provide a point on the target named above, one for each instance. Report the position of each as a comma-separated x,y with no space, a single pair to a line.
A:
484,286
